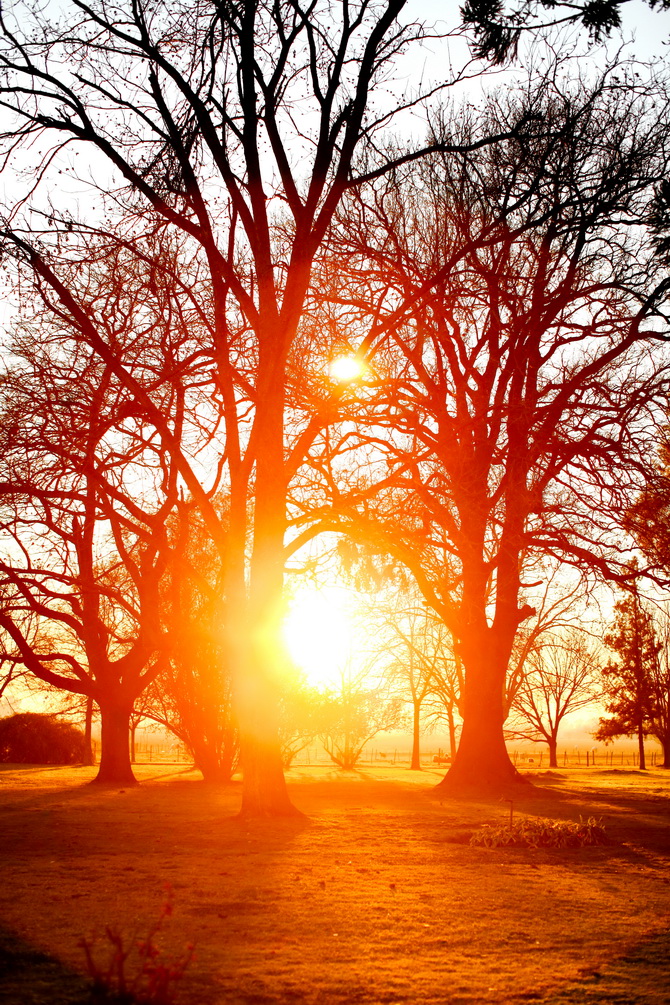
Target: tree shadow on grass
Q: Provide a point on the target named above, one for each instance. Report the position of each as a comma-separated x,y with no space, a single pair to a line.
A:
30,977
640,977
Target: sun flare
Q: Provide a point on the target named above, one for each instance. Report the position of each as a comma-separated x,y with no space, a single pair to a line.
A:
346,368
319,633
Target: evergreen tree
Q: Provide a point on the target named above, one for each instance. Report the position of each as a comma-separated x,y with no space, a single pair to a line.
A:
630,680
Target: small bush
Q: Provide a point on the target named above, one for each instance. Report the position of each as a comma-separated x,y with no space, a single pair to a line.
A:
31,738
134,972
538,832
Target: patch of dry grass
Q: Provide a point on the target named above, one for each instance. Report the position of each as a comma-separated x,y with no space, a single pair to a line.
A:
374,898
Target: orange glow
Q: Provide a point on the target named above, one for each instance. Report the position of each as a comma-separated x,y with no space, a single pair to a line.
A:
319,633
347,368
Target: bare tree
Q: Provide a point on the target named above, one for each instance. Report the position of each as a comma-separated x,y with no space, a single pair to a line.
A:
85,492
560,677
238,128
355,712
414,654
514,358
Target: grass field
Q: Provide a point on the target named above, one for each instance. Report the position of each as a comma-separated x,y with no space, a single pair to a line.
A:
375,897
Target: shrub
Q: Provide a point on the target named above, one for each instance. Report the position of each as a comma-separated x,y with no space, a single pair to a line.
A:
538,832
134,973
31,738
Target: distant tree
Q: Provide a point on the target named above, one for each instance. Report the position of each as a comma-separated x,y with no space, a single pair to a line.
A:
629,686
416,651
303,715
660,727
85,493
559,678
648,517
33,738
192,696
354,713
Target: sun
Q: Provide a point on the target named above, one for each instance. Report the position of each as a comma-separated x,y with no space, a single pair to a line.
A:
319,633
346,368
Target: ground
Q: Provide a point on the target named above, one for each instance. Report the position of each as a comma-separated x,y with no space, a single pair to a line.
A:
373,897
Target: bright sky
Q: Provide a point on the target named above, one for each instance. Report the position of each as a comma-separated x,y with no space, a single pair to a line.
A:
320,632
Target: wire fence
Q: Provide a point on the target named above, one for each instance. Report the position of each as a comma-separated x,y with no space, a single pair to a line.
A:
575,757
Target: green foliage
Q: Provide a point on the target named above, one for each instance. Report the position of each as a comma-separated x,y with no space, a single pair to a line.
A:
540,832
32,738
648,519
630,680
497,27
134,971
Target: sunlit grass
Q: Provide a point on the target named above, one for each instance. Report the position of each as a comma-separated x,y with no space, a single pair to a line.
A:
375,898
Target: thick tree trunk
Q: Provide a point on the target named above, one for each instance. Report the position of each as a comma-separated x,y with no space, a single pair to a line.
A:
481,762
416,738
640,747
264,786
264,792
553,752
115,767
207,761
665,743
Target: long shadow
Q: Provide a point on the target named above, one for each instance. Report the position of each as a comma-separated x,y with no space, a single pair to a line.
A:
30,977
640,977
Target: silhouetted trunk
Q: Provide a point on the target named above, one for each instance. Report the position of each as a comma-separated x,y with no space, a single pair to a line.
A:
481,761
640,747
665,744
212,767
115,767
416,751
88,733
264,791
133,728
553,752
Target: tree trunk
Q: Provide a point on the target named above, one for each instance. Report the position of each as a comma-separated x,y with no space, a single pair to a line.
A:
207,761
416,752
264,791
481,762
115,767
553,752
452,731
665,743
88,731
263,783
640,747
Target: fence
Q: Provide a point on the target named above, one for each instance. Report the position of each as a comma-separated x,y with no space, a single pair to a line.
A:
603,757
535,759
156,753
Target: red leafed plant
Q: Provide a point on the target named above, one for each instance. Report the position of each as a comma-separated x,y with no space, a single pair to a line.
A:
134,971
